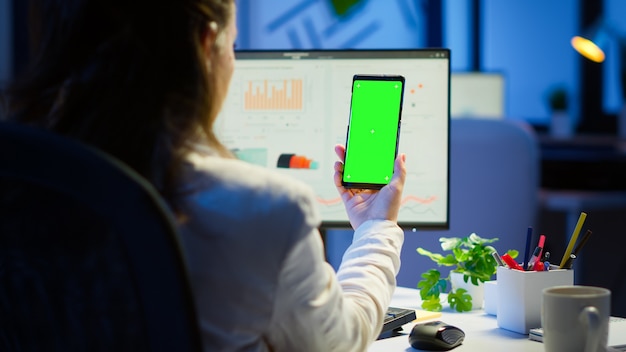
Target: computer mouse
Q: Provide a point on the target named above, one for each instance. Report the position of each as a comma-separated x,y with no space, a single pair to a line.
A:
435,336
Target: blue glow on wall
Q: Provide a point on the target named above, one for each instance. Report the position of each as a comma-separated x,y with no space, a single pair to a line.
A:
314,24
530,42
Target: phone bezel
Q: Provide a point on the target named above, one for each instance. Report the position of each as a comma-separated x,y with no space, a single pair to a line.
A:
370,77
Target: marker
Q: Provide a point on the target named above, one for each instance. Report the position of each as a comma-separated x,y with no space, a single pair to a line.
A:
511,263
570,262
293,161
497,258
572,240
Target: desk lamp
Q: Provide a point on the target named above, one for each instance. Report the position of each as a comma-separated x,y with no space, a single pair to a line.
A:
593,49
593,46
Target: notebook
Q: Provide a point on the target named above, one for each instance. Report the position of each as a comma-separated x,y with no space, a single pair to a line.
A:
617,334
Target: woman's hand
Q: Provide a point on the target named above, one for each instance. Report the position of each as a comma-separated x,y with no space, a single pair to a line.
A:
368,204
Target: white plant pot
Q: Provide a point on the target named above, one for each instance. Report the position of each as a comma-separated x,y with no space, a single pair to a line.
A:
561,125
477,292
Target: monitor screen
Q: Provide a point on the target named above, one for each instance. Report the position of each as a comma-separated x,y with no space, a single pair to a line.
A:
287,109
477,94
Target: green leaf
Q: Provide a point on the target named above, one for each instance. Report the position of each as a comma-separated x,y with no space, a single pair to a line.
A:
477,240
460,254
432,304
460,300
449,243
431,285
435,257
448,260
513,253
489,250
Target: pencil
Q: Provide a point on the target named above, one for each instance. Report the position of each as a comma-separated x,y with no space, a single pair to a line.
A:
572,240
582,242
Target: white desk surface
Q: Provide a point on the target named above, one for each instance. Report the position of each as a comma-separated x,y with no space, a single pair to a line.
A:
481,330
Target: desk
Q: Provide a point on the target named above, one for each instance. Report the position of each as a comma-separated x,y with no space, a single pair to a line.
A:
481,330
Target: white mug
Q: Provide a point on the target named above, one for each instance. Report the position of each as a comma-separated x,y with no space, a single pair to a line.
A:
575,318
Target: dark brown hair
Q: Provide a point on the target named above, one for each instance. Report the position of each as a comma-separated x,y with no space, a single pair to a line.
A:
126,76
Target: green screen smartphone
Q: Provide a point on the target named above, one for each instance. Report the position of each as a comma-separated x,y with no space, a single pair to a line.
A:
373,130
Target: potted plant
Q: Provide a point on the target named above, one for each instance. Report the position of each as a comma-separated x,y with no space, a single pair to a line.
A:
470,257
557,99
560,124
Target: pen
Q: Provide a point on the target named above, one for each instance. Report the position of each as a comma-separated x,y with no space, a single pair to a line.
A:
533,258
536,257
540,245
511,263
573,239
529,235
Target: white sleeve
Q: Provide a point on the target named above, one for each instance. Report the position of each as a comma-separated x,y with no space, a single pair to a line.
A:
318,310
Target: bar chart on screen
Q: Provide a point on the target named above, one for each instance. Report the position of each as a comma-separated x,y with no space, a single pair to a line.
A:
265,94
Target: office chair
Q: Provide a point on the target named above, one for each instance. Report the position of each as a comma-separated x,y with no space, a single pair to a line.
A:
89,255
494,184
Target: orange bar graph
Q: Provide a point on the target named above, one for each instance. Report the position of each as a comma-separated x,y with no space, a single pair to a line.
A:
273,95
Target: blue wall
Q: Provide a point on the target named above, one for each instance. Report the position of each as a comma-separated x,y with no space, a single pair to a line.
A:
529,42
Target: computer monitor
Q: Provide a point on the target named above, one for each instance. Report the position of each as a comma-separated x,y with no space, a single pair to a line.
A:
286,110
477,94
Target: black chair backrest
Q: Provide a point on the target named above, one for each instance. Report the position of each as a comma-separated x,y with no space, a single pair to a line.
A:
89,254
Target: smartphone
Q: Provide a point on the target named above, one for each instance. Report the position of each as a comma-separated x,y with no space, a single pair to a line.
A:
373,130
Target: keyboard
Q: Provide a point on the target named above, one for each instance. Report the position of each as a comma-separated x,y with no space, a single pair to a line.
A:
396,317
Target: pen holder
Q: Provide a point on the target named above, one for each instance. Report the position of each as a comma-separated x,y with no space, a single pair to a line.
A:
519,296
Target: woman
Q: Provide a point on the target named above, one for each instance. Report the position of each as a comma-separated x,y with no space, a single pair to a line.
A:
144,81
